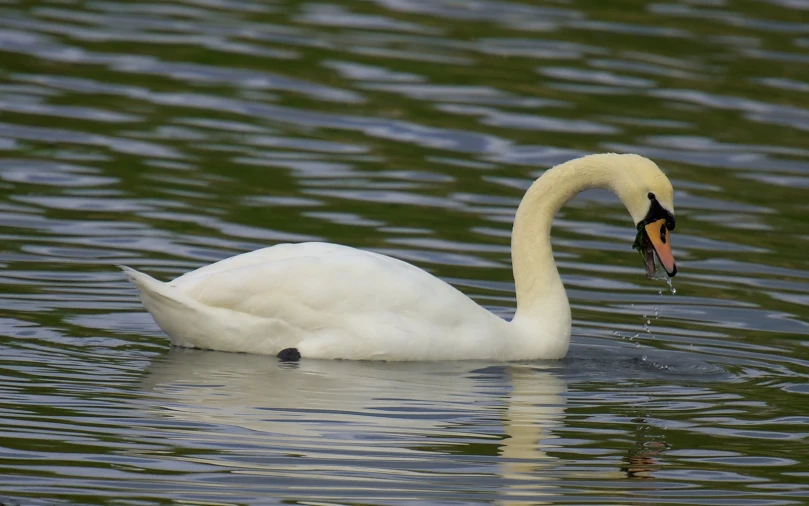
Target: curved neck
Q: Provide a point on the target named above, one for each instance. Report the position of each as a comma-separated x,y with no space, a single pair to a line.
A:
540,294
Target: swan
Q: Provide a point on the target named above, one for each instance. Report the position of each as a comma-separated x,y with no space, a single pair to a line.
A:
327,301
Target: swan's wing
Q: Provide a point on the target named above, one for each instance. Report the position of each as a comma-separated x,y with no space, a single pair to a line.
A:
308,282
258,257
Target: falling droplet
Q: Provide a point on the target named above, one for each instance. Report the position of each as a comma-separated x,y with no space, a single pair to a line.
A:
671,286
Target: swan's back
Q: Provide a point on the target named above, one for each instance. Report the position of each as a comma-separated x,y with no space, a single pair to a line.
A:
319,277
260,256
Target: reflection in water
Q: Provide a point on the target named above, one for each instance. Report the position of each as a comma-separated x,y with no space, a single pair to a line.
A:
378,415
534,408
642,461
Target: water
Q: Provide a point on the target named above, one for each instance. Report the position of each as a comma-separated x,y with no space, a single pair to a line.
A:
168,136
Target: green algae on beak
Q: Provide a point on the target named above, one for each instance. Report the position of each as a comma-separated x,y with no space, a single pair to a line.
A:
644,247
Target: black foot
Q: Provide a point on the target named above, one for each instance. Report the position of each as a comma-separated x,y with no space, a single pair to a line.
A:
289,355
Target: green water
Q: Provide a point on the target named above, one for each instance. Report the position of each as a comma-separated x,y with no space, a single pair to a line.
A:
169,135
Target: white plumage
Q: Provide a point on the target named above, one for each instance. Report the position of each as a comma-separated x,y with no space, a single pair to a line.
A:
327,300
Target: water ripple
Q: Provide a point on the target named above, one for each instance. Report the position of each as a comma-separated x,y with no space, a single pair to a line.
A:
167,136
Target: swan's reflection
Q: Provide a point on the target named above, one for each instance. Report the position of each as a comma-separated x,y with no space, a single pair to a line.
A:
387,419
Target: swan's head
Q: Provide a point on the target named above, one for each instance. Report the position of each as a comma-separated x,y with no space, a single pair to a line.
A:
647,194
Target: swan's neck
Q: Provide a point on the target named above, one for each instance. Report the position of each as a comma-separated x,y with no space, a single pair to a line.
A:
542,303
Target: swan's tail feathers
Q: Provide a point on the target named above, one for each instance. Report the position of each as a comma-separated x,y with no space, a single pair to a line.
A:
134,276
153,292
174,312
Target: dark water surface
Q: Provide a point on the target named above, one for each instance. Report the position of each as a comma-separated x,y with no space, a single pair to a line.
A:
168,135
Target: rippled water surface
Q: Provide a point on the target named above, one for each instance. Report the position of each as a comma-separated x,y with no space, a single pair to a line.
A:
168,135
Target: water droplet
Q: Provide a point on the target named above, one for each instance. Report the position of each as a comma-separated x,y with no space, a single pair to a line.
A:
671,286
648,322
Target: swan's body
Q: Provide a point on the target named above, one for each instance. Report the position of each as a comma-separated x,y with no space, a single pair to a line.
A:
328,301
332,301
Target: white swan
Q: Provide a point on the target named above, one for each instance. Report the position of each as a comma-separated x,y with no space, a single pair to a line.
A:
335,302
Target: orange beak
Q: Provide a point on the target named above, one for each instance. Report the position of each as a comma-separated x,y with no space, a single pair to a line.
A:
659,236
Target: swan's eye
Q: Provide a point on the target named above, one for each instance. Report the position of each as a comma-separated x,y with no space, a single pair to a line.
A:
651,196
